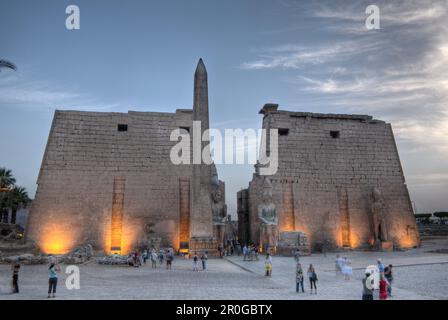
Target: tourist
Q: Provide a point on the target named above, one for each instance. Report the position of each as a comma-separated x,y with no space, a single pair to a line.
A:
169,259
389,277
220,249
299,278
195,262
145,256
15,267
204,260
268,265
383,287
380,266
245,255
238,248
312,276
161,257
346,268
136,259
367,291
338,264
53,279
153,259
256,254
297,256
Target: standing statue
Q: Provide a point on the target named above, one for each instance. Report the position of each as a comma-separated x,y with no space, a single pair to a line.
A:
267,213
379,216
219,208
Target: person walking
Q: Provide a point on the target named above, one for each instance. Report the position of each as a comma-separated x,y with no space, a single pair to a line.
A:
145,256
389,277
338,264
312,276
383,287
299,278
204,261
380,266
268,265
245,253
195,262
347,269
53,279
161,257
367,289
297,256
153,259
169,259
15,268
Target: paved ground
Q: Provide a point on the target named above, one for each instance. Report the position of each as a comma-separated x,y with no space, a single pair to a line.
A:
419,274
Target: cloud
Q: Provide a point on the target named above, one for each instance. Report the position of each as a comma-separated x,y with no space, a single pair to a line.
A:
398,73
17,91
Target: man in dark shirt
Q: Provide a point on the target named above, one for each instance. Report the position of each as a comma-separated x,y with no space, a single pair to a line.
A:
15,267
367,291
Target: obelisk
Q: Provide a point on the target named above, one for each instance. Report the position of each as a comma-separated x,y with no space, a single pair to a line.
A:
201,218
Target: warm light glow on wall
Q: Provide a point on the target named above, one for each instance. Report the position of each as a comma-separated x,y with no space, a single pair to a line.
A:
56,240
128,239
407,242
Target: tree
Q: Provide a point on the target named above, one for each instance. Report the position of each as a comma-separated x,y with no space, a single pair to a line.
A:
11,197
17,198
7,64
6,178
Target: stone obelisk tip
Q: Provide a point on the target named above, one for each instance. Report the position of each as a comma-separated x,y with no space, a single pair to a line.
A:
200,69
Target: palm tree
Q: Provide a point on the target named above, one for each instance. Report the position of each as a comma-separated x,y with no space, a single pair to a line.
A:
6,179
17,199
7,64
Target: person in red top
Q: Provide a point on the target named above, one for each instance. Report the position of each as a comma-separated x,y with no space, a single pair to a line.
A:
383,287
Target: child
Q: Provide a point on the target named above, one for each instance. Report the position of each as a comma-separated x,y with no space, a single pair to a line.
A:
268,265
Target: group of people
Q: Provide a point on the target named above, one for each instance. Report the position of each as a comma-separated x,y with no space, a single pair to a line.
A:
250,253
343,266
53,270
156,258
229,247
385,282
203,259
311,275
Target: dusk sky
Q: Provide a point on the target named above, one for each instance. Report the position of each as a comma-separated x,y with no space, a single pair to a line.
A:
303,55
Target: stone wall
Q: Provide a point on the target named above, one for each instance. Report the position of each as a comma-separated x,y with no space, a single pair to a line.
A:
85,153
328,167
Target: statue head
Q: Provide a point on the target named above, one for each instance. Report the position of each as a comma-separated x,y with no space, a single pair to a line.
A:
217,196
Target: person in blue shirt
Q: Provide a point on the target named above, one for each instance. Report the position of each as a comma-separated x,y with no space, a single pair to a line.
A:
53,279
380,266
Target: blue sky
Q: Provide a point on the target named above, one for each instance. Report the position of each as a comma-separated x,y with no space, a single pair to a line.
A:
306,56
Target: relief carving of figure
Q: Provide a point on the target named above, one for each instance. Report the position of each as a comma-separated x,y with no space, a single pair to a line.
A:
379,216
